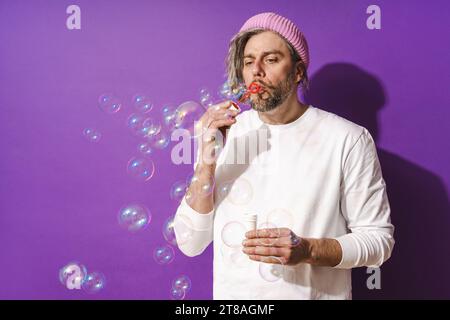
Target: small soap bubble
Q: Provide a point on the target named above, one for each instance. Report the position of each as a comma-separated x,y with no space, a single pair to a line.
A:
108,103
177,294
142,103
178,190
94,282
271,272
141,169
183,226
182,282
164,254
134,217
92,135
233,233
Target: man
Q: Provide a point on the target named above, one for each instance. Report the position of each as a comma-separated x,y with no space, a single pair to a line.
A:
312,178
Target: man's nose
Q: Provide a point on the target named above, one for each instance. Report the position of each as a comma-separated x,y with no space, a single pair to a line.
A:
257,70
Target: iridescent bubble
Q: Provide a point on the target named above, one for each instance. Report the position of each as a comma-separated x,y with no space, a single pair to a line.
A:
177,294
134,217
238,192
134,123
92,135
189,197
142,104
205,98
94,282
109,103
160,140
182,282
233,233
72,275
271,272
169,117
141,169
187,117
178,190
281,218
225,91
145,148
142,127
183,227
234,257
224,189
150,127
203,187
164,254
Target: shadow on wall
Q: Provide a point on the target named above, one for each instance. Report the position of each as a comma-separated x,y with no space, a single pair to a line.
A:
420,263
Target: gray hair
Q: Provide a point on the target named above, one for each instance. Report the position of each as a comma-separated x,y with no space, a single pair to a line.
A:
235,58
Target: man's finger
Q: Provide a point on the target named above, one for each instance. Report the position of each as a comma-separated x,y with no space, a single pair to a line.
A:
272,260
268,233
221,105
266,251
280,242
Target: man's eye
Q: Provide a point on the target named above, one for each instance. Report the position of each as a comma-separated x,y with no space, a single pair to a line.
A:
271,60
248,63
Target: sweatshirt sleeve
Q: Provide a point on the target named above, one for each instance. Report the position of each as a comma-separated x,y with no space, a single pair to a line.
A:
193,230
365,206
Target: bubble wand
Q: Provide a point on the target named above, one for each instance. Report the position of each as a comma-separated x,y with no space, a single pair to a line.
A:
253,88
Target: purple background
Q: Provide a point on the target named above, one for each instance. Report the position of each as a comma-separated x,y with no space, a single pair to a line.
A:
60,194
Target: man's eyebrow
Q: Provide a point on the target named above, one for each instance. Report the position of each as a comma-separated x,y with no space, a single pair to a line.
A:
265,53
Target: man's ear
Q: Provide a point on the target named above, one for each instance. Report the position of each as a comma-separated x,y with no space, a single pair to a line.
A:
299,72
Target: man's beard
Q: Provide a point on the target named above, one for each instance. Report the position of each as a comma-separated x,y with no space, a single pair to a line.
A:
278,95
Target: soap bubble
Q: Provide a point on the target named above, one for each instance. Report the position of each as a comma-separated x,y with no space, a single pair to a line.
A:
182,282
134,123
72,275
189,197
150,127
226,92
109,103
169,117
141,126
94,282
271,272
92,135
141,169
205,98
281,218
160,140
163,254
203,187
142,104
134,217
238,192
184,229
233,233
187,117
178,190
229,93
145,148
234,257
177,294
224,189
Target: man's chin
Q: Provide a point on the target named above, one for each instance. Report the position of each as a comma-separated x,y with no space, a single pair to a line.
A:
262,108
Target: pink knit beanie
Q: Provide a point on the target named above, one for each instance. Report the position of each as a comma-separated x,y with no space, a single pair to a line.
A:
285,27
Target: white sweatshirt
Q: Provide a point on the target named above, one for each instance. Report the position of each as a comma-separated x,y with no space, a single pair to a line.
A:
319,176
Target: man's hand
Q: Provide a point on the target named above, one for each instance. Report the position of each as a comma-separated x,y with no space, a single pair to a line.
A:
283,246
213,125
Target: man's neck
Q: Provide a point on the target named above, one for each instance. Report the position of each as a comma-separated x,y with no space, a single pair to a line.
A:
289,111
